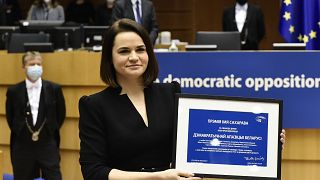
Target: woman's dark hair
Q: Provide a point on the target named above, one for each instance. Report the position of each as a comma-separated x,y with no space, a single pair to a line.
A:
107,71
41,3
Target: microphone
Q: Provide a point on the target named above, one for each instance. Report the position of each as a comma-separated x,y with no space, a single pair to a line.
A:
66,41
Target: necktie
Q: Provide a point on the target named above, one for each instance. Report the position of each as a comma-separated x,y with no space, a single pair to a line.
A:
138,12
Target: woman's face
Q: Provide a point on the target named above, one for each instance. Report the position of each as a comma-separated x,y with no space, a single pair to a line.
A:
129,56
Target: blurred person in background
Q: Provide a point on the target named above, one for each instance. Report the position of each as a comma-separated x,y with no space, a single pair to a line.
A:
80,12
46,10
103,13
10,12
248,20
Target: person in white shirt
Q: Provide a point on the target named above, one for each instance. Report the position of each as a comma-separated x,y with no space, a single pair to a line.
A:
35,111
248,20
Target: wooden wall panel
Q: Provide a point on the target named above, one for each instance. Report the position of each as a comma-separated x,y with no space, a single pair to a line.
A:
183,35
70,134
73,94
7,168
173,5
5,131
70,167
176,16
25,6
301,170
65,68
178,20
3,90
304,146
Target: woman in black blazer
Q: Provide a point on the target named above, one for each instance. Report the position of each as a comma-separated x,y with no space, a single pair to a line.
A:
126,130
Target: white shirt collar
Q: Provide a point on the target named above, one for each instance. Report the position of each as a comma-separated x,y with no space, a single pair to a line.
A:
134,2
37,84
244,7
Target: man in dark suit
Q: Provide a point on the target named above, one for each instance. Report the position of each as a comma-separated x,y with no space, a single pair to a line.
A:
247,19
141,11
35,111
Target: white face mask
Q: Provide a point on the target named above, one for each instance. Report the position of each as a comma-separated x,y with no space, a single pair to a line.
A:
34,72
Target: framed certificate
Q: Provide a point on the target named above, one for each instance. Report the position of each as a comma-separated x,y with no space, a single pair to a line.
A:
228,137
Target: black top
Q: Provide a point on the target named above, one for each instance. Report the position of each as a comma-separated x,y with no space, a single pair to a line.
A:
80,13
114,135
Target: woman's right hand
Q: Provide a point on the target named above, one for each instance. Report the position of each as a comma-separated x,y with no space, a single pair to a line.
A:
170,174
174,174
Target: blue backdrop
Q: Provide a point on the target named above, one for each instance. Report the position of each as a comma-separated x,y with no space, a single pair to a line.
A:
293,77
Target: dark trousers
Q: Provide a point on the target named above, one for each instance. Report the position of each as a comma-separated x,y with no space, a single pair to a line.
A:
28,159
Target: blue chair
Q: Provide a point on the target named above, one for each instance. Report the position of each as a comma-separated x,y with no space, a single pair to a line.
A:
7,177
10,177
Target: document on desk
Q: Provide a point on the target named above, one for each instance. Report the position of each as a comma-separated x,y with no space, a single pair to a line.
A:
228,137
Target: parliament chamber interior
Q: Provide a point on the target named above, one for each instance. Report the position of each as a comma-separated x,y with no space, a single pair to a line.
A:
72,55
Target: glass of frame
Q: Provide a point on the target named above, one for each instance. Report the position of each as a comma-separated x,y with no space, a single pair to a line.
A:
228,137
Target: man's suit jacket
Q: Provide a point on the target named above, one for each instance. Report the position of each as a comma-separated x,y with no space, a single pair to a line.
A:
123,9
253,30
17,104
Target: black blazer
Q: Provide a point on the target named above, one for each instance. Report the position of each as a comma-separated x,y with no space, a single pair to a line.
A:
123,9
253,30
16,105
114,135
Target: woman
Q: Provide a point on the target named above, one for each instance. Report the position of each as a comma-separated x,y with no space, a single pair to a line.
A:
126,130
46,10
